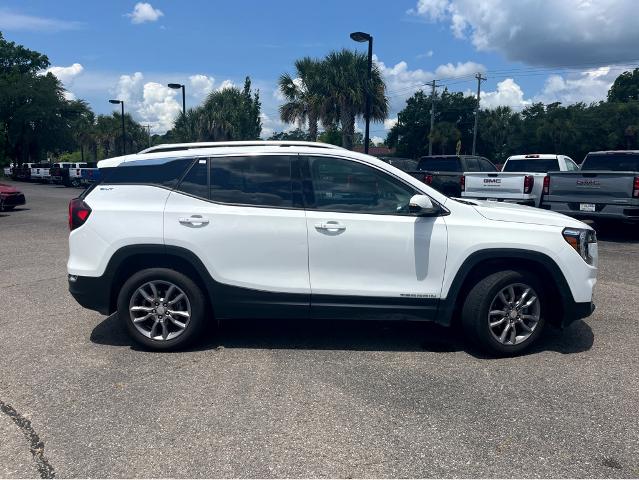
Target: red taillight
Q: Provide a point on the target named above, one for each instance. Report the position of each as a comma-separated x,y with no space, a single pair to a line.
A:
78,213
529,182
462,183
428,179
546,185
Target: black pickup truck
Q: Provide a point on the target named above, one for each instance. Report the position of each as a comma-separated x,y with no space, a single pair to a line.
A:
445,173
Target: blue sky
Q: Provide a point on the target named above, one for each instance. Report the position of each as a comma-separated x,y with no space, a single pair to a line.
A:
564,50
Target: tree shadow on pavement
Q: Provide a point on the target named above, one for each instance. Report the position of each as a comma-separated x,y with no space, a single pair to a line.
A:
347,335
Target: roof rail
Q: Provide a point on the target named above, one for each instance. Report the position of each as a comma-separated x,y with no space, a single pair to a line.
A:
174,147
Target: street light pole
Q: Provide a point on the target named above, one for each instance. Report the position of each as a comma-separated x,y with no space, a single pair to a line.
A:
365,37
176,86
121,102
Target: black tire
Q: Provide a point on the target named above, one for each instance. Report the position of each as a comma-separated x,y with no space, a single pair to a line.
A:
195,297
475,316
8,208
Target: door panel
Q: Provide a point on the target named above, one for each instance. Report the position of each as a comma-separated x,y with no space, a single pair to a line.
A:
257,256
373,264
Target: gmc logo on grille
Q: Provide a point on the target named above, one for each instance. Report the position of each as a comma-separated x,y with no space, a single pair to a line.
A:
494,181
588,183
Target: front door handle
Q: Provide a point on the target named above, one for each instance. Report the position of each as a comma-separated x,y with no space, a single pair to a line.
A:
331,226
193,221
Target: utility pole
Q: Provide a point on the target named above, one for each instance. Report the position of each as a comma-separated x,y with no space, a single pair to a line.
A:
433,85
479,80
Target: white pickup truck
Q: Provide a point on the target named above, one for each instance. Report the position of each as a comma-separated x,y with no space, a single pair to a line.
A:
40,172
520,181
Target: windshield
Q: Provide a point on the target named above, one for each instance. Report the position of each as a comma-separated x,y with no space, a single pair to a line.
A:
534,165
617,162
440,164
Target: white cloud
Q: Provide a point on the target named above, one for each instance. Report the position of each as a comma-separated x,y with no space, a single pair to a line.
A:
589,86
542,33
377,140
66,74
460,70
144,12
159,106
508,94
13,21
390,123
201,85
155,103
226,84
428,54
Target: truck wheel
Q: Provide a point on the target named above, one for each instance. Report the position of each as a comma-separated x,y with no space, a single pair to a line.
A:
504,312
162,309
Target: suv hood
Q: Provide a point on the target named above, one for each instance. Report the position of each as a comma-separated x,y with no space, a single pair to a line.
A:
511,212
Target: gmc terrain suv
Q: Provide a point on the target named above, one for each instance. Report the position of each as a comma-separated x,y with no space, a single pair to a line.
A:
177,235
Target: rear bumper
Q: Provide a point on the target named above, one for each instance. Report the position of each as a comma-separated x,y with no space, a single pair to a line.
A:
13,200
91,292
624,213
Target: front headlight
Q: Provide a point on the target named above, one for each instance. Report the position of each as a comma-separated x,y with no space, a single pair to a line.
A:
584,241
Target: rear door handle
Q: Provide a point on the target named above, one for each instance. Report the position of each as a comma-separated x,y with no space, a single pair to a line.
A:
331,226
194,221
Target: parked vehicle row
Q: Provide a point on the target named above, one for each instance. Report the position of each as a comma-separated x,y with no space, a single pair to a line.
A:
605,187
520,181
70,174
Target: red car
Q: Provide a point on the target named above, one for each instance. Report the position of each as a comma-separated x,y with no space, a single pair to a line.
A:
10,197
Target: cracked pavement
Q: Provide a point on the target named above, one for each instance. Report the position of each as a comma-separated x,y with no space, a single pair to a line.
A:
286,399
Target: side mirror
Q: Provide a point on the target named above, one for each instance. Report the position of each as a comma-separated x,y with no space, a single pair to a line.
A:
422,206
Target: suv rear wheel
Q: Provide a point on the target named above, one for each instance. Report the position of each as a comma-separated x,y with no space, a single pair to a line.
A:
162,309
504,312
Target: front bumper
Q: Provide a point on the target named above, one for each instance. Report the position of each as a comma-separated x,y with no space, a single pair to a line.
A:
577,311
91,292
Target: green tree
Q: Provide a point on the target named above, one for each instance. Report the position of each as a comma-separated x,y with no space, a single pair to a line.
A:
345,77
625,87
304,95
297,134
228,114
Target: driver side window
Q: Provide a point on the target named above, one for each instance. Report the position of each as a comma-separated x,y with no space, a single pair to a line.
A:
341,185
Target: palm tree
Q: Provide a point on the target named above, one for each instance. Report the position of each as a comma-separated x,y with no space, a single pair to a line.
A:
304,95
345,80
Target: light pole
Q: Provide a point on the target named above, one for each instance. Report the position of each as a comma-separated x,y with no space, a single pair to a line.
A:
365,37
175,86
121,102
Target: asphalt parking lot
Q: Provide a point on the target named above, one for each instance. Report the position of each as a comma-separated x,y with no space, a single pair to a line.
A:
284,399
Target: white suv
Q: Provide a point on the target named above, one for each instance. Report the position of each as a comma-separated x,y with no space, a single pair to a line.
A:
179,234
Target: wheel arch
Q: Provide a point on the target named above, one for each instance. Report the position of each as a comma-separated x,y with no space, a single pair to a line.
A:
485,262
131,259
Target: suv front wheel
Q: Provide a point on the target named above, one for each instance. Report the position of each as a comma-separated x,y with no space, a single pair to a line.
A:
162,309
504,312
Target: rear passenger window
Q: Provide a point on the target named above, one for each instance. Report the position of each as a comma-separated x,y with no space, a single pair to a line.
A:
256,180
196,181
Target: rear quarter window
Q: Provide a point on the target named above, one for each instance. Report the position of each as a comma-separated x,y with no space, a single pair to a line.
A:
165,174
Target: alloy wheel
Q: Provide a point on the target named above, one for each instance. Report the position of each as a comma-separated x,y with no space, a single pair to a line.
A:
160,310
514,314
